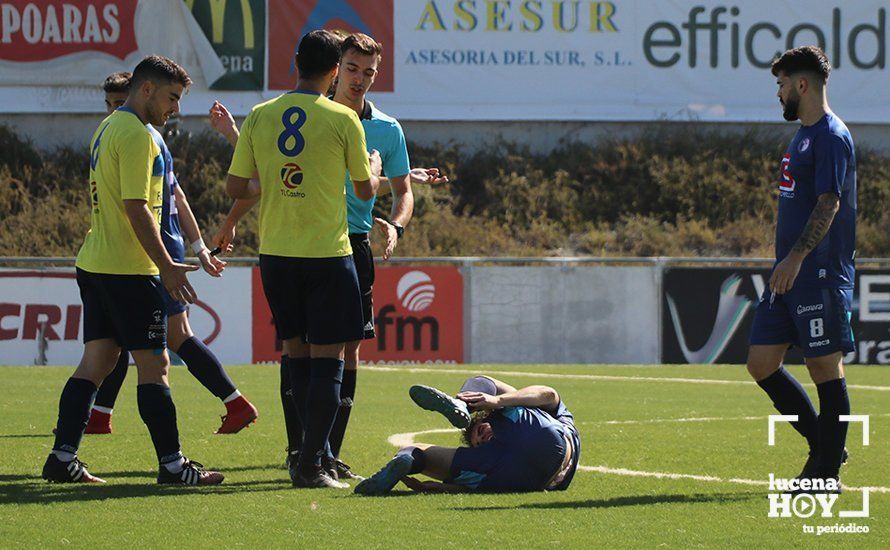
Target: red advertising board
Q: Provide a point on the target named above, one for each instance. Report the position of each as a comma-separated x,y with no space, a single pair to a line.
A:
39,31
418,314
289,20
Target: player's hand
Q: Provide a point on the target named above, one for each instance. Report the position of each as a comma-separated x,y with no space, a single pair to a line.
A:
224,237
177,283
427,486
392,237
211,264
785,273
376,162
429,176
479,401
222,120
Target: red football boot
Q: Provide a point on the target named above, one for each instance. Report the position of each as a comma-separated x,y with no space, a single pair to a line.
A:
99,423
240,414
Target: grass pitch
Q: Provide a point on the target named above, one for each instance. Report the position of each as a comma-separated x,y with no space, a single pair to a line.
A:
637,426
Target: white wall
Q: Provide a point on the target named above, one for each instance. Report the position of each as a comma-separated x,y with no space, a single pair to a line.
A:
556,314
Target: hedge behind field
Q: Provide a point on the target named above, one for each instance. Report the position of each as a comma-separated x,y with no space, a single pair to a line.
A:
668,192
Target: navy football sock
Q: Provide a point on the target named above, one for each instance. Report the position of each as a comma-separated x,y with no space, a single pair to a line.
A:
206,367
292,422
347,394
74,412
321,407
111,386
299,370
833,402
789,397
418,458
159,413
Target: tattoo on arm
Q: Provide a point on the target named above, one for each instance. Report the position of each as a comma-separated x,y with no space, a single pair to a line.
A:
818,224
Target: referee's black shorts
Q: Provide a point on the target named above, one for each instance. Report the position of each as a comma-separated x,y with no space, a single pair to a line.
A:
126,308
364,268
317,299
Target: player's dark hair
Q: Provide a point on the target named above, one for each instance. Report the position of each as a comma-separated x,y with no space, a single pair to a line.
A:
362,43
117,83
318,53
157,68
477,417
810,59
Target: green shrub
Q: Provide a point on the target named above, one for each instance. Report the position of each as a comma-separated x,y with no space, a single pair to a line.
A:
681,190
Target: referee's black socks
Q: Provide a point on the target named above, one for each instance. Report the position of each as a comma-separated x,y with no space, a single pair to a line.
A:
347,395
789,397
159,413
74,412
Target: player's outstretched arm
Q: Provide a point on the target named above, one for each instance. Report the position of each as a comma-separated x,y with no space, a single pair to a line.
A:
173,274
211,264
543,397
419,176
817,227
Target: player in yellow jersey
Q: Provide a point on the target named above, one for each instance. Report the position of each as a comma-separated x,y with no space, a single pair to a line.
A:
120,269
300,146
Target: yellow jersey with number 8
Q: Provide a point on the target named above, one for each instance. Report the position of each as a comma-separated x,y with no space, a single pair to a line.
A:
301,145
125,163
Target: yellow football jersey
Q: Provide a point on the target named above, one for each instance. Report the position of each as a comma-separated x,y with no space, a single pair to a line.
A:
125,163
301,145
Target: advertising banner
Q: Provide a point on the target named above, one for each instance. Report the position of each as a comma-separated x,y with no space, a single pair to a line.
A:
237,32
707,315
49,301
418,318
615,60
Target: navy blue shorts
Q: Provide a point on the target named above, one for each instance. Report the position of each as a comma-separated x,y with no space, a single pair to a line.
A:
315,298
364,268
171,306
498,467
817,320
126,308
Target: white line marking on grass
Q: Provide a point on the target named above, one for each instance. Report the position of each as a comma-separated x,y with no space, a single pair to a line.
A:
668,420
407,439
602,377
694,477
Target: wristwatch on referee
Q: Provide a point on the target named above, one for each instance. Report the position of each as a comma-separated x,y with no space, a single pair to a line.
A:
399,229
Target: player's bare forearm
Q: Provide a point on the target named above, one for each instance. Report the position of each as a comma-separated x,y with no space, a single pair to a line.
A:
817,226
502,387
237,187
239,208
145,226
544,397
384,186
365,189
403,200
187,217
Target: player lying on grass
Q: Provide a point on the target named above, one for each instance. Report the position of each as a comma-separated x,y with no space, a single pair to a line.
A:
517,440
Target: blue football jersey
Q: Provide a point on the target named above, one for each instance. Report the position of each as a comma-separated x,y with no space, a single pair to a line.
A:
171,233
820,159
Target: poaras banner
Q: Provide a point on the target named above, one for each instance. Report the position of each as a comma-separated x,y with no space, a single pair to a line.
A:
460,59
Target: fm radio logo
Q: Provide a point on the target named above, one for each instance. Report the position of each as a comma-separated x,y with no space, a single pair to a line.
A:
289,20
416,291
